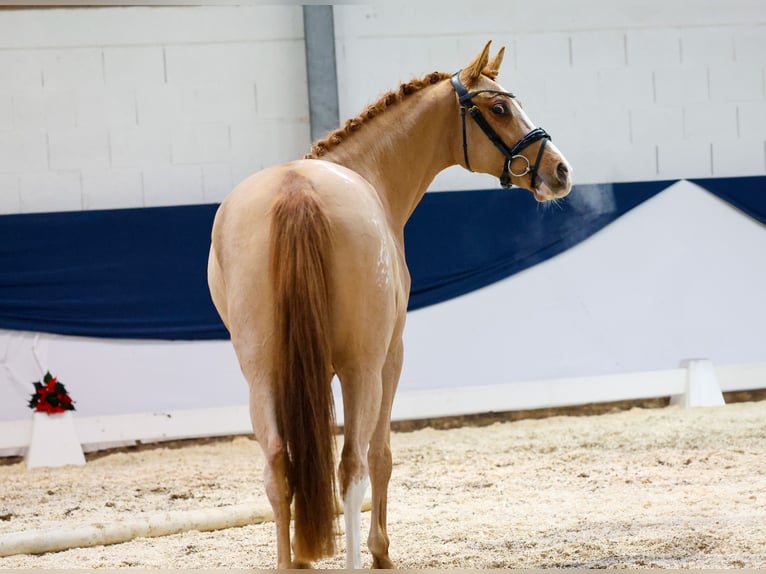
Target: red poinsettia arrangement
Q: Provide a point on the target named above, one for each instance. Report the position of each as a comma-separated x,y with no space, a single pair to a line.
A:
50,396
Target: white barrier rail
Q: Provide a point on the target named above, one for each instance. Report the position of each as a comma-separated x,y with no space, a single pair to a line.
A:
696,383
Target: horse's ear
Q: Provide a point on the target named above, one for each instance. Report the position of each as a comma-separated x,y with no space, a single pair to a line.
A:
473,70
493,67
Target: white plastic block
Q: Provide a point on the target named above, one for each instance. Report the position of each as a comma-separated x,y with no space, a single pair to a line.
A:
54,441
216,182
78,148
139,146
9,194
172,185
653,47
702,387
598,49
50,191
112,188
201,143
73,68
132,66
739,157
707,45
710,121
684,159
653,124
737,82
23,151
680,86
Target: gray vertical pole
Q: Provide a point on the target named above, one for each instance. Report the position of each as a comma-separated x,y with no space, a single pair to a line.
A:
319,33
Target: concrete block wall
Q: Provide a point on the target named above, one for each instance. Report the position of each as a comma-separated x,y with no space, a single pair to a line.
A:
144,106
140,106
635,90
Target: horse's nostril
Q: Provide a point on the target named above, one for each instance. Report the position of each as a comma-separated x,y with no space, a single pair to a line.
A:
562,171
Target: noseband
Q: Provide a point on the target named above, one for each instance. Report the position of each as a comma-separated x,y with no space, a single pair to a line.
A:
464,98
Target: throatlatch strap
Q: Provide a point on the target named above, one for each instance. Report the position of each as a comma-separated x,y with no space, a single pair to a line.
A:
465,140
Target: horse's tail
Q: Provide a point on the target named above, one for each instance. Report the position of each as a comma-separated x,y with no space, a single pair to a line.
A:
300,250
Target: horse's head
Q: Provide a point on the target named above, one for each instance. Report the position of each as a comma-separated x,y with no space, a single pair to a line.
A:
499,138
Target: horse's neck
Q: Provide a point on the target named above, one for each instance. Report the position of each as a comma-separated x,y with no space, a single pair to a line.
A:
401,151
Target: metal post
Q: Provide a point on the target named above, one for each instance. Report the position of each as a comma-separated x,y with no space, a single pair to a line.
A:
319,33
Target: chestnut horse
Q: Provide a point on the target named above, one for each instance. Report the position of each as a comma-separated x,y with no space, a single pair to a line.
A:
308,273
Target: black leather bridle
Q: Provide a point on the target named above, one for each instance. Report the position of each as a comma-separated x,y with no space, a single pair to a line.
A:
464,98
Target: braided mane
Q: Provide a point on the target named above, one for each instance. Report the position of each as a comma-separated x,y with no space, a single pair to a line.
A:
388,99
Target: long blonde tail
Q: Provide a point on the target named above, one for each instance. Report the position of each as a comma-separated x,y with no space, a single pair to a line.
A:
300,249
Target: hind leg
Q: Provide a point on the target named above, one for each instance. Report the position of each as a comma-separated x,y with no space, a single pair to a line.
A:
379,458
361,403
262,415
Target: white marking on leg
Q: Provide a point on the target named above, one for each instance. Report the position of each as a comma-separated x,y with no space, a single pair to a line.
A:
352,515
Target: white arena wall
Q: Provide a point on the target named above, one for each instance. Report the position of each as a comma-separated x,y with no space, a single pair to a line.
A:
138,107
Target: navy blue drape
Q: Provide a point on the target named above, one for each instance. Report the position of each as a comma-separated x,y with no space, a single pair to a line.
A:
460,241
141,273
132,273
748,194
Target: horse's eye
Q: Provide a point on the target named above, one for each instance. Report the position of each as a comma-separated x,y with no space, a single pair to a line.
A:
500,109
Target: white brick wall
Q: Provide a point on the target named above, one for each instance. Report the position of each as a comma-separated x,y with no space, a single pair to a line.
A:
125,107
23,151
6,112
78,148
172,185
10,202
50,191
752,120
112,188
646,48
105,108
635,90
139,146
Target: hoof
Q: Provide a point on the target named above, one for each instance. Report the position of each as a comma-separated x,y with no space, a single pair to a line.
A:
384,562
301,565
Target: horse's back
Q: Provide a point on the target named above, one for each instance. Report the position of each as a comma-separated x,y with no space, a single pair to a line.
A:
366,276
